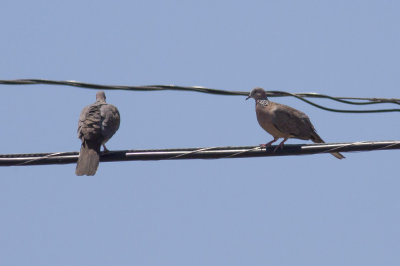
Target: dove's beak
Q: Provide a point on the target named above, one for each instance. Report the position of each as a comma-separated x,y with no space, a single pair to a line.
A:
248,97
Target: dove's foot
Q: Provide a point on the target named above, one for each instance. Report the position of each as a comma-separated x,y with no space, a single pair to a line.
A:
280,146
105,149
265,146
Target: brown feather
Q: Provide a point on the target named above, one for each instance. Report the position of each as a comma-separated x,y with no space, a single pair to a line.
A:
317,139
89,157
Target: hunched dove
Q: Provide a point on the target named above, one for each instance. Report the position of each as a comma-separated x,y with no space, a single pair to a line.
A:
282,121
97,124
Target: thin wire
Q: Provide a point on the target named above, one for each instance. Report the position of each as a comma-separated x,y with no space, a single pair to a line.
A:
300,96
191,152
348,102
198,153
341,99
41,158
241,152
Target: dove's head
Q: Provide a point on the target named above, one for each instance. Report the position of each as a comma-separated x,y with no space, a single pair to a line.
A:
100,96
257,94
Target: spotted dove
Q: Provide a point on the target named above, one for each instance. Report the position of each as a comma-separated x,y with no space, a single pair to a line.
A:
97,124
282,121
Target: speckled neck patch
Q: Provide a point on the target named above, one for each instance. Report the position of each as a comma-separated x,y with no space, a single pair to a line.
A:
262,102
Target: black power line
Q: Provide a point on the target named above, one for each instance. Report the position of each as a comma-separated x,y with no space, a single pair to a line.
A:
300,96
198,153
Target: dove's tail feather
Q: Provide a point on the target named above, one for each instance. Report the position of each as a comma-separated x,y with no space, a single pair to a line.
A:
317,139
89,157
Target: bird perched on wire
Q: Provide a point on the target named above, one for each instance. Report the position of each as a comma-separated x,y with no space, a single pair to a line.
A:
97,124
282,121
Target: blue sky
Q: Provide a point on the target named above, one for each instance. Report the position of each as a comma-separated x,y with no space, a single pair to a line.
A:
297,210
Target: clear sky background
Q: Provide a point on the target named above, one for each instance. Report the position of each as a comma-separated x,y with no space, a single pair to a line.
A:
295,210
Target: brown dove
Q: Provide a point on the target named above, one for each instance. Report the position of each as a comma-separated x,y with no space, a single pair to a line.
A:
282,121
97,124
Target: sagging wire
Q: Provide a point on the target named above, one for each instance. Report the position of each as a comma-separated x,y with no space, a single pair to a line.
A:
300,96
